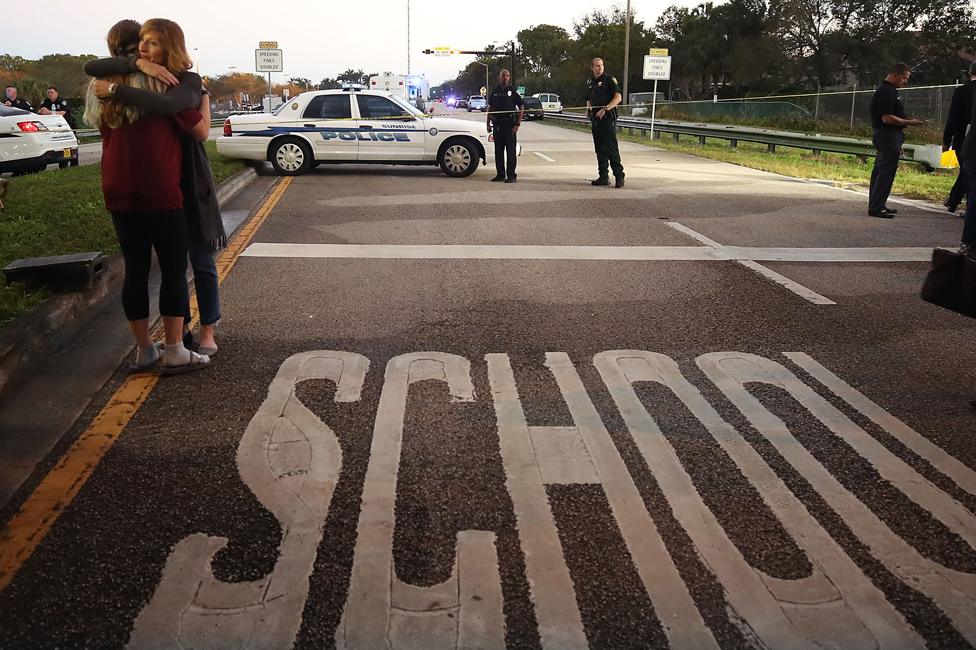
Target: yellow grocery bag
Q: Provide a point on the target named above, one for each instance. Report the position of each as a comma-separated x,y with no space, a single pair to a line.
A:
949,159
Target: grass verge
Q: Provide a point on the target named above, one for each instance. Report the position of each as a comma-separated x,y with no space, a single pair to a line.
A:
61,211
912,181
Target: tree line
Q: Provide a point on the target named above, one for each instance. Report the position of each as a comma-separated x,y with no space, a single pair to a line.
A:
736,49
232,89
746,47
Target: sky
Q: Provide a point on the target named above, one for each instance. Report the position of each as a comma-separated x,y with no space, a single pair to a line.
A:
319,38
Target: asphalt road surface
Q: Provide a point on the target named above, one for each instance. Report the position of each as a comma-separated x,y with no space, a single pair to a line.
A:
705,410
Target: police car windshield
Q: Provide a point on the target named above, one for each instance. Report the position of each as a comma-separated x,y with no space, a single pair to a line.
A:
280,108
407,105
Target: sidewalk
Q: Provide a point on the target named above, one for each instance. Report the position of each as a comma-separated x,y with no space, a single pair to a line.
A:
39,412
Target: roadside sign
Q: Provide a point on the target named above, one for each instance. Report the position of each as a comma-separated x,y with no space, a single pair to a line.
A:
484,91
445,51
273,45
658,51
521,90
268,60
657,68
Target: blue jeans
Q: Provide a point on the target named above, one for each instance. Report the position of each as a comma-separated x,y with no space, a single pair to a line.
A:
205,282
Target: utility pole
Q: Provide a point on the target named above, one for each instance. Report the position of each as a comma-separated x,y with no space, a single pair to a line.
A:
626,52
408,36
513,62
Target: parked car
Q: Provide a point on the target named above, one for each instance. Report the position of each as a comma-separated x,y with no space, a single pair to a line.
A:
30,142
550,102
533,108
477,103
350,126
461,103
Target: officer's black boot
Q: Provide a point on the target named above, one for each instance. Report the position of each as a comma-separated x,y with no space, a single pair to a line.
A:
603,180
619,181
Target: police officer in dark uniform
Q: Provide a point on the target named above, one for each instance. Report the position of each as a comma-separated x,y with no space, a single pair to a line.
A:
505,114
54,105
888,121
956,127
602,97
11,99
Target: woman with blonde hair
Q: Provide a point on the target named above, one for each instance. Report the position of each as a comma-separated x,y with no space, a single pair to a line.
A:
141,163
204,222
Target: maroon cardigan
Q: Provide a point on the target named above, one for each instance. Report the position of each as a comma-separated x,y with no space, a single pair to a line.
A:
141,163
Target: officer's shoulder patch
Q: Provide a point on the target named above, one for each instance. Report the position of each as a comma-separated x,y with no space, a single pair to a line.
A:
614,79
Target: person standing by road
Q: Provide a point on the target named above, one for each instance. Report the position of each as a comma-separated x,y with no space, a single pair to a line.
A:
54,105
11,99
204,222
141,163
955,134
602,97
504,116
967,160
888,122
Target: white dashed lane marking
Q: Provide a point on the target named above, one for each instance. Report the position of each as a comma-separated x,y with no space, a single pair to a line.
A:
544,156
804,292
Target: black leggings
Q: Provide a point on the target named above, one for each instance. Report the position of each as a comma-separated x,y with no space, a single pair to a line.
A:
140,233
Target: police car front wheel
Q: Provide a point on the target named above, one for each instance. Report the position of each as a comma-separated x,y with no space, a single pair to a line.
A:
291,157
458,159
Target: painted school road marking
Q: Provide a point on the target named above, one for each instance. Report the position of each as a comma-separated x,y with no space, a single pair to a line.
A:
25,530
544,156
291,461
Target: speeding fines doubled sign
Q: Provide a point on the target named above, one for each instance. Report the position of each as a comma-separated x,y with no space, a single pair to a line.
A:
268,60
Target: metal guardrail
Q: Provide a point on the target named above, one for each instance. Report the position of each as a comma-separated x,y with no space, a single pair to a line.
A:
929,155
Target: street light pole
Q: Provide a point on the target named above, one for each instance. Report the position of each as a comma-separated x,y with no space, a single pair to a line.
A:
408,37
626,52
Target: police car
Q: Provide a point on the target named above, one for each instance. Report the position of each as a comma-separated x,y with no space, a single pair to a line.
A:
353,126
30,142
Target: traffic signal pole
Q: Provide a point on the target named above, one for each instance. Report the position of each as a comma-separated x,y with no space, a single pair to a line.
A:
511,51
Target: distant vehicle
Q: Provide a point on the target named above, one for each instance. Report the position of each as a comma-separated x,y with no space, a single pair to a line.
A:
452,101
533,108
477,103
461,103
349,126
640,103
30,142
550,102
411,87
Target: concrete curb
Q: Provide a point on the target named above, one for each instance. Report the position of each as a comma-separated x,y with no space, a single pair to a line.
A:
32,338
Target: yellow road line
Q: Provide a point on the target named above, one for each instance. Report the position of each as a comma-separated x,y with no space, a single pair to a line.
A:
58,488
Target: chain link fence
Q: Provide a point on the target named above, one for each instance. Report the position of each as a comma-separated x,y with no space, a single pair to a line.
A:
836,111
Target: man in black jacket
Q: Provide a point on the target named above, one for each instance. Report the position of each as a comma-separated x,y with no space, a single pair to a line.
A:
888,119
11,99
955,133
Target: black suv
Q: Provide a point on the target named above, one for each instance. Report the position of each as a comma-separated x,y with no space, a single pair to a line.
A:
533,108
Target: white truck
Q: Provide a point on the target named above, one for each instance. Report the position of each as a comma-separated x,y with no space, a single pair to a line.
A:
413,88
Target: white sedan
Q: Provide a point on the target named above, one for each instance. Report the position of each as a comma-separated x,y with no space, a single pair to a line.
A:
30,142
353,126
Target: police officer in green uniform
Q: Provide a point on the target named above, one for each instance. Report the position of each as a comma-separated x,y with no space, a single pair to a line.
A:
505,112
602,97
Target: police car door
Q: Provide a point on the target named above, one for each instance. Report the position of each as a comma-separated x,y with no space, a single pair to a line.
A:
331,117
388,131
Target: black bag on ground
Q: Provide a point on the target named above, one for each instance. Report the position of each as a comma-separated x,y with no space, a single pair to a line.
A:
951,282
